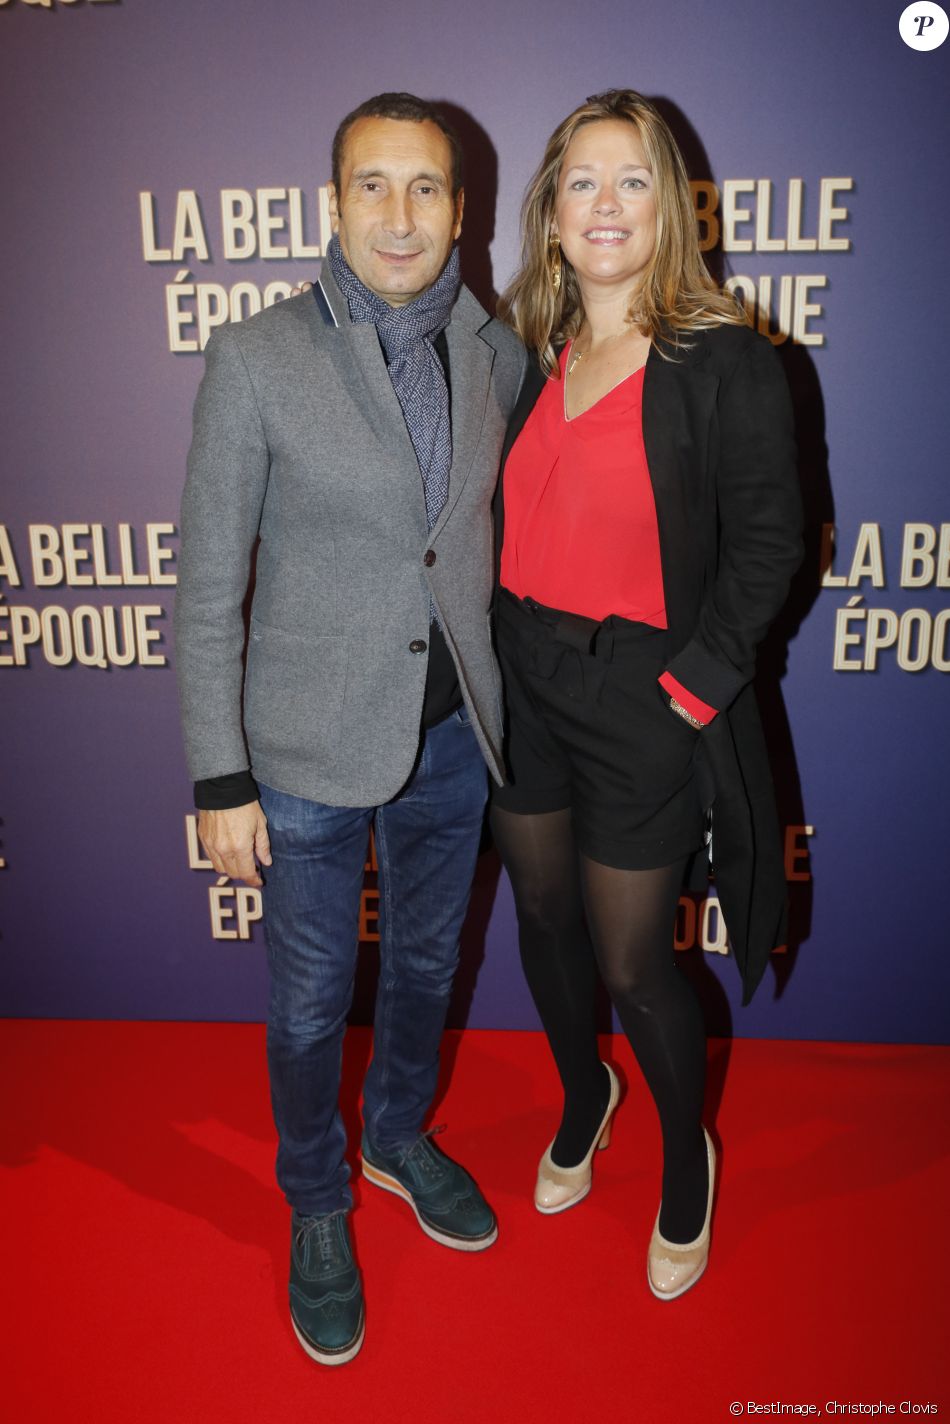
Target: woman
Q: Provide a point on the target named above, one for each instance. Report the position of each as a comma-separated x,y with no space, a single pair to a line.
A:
650,518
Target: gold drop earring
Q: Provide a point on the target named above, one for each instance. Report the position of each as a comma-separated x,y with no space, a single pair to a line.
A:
554,261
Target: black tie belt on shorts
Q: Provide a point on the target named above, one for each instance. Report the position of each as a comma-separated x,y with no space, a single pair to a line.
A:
576,650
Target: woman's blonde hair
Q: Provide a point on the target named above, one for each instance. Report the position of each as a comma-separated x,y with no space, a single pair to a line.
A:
676,294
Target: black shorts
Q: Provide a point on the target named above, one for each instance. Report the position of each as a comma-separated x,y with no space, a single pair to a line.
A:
590,728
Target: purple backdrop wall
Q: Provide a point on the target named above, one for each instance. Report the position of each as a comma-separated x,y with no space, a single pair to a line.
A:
198,108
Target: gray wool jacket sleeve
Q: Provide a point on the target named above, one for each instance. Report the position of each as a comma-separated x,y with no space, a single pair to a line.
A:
228,467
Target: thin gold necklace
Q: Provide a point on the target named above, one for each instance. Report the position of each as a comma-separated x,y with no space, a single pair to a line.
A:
579,355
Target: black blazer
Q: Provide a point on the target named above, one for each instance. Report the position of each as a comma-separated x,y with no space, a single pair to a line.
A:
720,446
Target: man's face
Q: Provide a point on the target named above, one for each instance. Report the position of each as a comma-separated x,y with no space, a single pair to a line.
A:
395,214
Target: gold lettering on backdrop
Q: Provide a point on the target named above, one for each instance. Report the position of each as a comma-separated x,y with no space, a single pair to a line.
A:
234,908
95,637
744,209
59,555
268,224
9,572
86,556
866,638
745,215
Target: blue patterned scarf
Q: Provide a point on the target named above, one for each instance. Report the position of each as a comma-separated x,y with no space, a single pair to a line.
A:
405,334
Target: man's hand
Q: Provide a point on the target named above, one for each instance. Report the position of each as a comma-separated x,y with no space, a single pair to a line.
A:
232,839
301,288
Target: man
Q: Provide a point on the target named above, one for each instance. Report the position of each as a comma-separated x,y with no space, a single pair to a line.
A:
356,430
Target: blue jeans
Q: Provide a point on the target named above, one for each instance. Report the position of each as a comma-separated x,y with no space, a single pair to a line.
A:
426,845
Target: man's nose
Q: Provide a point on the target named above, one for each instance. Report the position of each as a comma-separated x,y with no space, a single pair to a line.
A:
398,217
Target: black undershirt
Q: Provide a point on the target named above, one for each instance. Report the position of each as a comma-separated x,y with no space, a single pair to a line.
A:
442,694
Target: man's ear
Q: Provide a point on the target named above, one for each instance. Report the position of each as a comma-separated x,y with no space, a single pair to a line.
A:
459,206
334,206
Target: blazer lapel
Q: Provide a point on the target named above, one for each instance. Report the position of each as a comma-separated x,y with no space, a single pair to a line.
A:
363,368
678,400
470,368
531,388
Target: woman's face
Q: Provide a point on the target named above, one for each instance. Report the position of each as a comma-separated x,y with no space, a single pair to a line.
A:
606,205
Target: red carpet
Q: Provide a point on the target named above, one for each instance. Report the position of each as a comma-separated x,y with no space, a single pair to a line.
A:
145,1244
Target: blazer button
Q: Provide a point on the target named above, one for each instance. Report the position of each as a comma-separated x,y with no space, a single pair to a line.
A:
418,645
428,558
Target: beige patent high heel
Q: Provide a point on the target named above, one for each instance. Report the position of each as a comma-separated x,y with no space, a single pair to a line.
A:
558,1188
672,1268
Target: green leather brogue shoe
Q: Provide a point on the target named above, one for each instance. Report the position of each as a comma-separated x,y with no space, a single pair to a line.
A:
447,1203
326,1294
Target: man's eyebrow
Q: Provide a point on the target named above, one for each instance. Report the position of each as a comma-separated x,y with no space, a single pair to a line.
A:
360,175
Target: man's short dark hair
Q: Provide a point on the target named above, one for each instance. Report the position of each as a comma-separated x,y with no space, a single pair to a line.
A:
408,109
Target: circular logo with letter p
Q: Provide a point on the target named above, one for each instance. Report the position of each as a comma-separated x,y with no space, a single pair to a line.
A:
924,26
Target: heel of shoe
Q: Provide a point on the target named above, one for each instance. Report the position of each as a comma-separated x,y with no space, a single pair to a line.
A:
560,1187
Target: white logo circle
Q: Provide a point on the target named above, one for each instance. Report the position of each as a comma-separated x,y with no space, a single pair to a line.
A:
924,25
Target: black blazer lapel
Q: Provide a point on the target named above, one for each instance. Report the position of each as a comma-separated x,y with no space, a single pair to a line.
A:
531,388
679,397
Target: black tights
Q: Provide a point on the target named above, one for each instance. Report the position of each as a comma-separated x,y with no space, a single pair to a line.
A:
560,895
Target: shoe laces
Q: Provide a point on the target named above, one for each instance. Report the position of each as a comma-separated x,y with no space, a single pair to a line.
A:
423,1154
321,1231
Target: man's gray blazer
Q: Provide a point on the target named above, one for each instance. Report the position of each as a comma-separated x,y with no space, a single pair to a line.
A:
299,437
